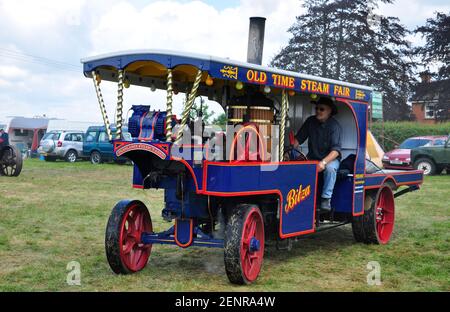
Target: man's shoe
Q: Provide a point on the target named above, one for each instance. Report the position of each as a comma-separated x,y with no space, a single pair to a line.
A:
325,204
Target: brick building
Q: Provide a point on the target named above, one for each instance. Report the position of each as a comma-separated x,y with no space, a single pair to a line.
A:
426,96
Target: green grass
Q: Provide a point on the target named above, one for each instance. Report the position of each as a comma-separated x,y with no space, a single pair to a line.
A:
54,213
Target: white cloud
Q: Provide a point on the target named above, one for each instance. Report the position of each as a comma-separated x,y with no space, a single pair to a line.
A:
12,72
69,30
27,15
192,27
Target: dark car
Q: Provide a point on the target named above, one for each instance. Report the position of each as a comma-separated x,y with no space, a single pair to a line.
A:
98,148
400,158
432,159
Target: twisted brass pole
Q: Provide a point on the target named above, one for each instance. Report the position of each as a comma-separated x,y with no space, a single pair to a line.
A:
169,106
189,104
101,103
284,108
119,111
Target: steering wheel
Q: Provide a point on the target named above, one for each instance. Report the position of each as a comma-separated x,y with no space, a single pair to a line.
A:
291,153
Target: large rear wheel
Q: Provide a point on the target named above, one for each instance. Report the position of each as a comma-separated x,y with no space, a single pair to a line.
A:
11,161
377,223
244,244
124,249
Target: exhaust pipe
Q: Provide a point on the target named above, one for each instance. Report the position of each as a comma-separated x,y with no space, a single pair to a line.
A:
256,40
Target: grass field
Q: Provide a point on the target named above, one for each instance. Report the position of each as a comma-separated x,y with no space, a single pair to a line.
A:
54,213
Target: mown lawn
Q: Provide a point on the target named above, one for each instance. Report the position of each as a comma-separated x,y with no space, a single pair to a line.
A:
54,213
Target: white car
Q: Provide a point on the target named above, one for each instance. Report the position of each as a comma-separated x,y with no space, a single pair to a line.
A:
66,145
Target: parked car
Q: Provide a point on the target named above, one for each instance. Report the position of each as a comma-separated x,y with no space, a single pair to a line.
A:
400,158
66,145
98,148
432,159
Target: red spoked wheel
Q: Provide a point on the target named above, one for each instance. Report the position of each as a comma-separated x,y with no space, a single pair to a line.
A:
244,244
124,249
385,215
377,223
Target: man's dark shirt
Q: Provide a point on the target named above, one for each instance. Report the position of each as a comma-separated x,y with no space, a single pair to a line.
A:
322,137
4,139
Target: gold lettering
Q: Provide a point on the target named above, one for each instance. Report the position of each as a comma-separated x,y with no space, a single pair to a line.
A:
291,83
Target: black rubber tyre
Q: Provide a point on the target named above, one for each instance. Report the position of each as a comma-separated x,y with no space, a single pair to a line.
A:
427,165
11,161
238,272
71,156
365,228
114,241
49,158
96,158
358,221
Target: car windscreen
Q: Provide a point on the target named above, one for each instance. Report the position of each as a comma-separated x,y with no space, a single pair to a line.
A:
413,143
51,136
438,142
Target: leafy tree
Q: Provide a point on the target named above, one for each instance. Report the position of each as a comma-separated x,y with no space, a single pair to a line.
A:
201,109
345,40
437,47
220,120
436,51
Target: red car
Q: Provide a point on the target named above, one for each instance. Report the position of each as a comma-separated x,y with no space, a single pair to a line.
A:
400,158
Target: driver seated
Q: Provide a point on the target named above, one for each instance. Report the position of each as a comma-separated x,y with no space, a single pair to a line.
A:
324,134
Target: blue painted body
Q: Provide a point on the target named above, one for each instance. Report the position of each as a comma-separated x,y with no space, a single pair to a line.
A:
293,184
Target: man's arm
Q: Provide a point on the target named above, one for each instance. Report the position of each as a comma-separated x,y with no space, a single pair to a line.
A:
336,148
302,134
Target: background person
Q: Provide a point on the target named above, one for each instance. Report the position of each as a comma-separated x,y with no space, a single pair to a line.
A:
4,138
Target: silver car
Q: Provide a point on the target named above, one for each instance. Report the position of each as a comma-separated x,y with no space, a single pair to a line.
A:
66,145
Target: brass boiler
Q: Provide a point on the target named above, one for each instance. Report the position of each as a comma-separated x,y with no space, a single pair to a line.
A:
263,116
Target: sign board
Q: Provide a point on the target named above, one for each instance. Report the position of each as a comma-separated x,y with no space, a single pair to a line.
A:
377,105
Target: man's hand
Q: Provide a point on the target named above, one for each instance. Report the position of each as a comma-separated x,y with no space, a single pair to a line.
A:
296,144
322,166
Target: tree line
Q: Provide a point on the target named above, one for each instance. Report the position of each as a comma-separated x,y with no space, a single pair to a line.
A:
346,40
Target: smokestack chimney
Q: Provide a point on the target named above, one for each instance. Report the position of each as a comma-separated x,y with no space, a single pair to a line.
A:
256,40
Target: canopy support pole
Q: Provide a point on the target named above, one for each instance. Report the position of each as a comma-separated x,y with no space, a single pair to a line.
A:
101,103
119,111
284,108
169,105
189,104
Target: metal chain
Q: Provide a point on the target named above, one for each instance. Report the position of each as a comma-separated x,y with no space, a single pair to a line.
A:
284,107
119,112
189,104
101,103
169,105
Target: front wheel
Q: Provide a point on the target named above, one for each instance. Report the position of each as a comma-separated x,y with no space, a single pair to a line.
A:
124,249
244,244
426,165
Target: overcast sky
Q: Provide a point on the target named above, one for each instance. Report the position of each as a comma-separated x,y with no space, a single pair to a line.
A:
42,42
